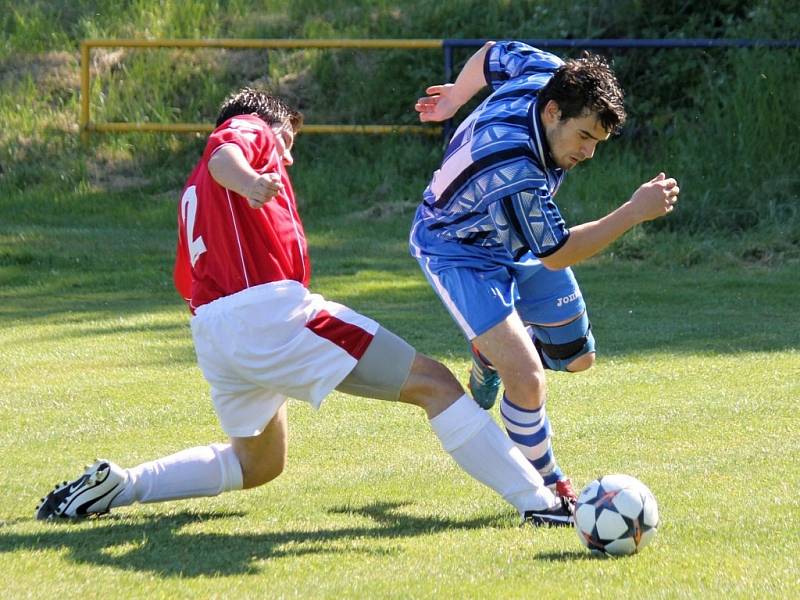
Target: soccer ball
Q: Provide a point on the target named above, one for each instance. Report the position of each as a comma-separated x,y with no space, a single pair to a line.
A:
616,515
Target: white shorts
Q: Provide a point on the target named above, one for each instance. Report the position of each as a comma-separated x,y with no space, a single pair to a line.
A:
271,342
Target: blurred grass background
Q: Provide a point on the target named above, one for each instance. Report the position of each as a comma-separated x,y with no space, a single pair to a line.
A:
723,121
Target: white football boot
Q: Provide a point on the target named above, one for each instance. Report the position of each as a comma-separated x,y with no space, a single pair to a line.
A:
89,494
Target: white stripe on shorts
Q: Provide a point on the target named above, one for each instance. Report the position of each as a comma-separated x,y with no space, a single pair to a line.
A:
448,301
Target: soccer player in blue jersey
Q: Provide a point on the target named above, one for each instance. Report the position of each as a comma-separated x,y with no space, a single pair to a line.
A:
491,239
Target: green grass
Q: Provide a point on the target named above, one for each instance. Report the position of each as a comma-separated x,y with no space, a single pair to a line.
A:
694,393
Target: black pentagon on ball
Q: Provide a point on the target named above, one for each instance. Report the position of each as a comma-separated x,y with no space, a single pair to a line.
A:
593,541
603,499
634,530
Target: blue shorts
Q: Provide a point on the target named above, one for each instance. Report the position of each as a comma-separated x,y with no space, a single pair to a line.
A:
480,297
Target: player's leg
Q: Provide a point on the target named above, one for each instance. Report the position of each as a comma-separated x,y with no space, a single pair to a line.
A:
477,299
251,414
522,407
255,420
482,302
263,457
512,352
552,305
391,369
245,462
190,473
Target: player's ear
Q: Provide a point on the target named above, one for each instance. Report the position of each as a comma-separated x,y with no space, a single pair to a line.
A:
551,112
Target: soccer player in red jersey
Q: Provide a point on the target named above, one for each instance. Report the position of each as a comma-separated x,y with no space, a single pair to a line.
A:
261,337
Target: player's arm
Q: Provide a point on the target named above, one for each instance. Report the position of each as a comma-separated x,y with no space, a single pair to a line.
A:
443,101
229,168
652,200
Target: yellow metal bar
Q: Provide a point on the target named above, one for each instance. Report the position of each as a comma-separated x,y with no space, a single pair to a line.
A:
308,128
269,43
151,127
85,84
86,126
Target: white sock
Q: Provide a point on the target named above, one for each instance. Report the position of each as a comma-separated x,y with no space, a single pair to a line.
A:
480,447
201,471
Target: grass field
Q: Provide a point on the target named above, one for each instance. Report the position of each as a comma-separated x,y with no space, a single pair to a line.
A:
695,393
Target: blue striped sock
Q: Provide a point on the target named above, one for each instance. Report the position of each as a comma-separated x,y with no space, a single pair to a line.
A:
530,430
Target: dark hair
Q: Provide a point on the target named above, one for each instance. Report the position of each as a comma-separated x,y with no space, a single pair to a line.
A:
586,85
271,109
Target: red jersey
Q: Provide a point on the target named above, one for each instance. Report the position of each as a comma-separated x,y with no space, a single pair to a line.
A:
224,246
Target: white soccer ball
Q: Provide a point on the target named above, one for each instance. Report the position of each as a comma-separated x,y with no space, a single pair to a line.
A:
616,515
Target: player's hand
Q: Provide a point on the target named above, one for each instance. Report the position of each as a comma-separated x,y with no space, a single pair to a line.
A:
439,105
262,189
656,198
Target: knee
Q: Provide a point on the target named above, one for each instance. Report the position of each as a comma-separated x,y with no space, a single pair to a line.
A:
257,473
567,347
533,390
525,388
582,363
263,457
430,385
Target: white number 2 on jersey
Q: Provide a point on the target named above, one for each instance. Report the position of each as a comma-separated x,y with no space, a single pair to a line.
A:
189,211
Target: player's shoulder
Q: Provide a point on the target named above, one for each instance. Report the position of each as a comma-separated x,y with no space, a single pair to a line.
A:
503,140
248,132
518,91
523,52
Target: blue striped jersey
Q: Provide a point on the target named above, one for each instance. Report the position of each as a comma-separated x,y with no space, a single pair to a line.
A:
494,190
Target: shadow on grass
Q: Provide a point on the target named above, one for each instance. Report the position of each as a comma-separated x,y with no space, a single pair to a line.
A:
567,556
158,545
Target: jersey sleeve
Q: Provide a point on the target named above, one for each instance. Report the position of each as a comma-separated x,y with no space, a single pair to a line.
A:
252,136
536,219
508,60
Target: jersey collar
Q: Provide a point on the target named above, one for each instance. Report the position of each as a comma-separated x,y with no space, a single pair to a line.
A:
539,139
